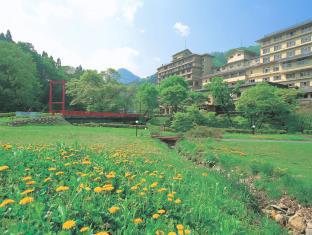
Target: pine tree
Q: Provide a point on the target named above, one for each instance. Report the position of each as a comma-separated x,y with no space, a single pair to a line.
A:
8,36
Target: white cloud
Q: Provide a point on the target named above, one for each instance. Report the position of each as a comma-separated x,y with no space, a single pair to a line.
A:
60,28
182,29
130,8
121,57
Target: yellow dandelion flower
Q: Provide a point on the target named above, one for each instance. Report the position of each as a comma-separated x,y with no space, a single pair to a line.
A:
138,220
26,200
154,185
98,189
161,211
159,232
59,173
31,182
52,169
102,233
3,168
170,199
180,232
26,178
156,216
177,201
47,179
145,189
172,233
127,174
83,229
6,202
108,187
61,188
69,224
113,209
111,175
180,227
119,191
204,174
67,164
86,162
133,188
187,231
27,191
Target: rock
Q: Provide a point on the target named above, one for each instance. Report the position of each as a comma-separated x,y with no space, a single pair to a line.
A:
308,231
309,225
283,206
290,211
279,218
297,223
275,207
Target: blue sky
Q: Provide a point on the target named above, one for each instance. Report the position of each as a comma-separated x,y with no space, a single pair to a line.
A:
143,34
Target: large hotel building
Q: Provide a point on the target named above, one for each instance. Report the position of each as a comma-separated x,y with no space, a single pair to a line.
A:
285,58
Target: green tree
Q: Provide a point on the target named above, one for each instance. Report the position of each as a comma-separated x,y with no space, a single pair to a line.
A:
173,92
100,92
300,121
147,97
8,36
196,98
264,103
19,86
222,95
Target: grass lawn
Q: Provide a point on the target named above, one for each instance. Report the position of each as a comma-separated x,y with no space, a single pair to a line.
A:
268,136
152,187
282,166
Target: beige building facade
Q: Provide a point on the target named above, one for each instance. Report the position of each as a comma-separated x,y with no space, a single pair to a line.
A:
188,65
285,58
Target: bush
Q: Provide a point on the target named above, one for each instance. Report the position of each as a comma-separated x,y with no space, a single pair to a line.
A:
241,122
211,159
204,132
12,114
265,168
182,122
160,121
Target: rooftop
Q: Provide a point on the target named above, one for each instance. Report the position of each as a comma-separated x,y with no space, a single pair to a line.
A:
309,21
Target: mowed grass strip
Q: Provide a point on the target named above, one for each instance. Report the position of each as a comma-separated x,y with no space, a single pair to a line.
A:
282,167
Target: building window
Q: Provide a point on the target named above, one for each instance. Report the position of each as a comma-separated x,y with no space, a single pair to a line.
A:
305,29
291,84
290,34
238,54
277,56
276,77
267,79
266,59
306,83
277,47
251,81
305,73
291,53
305,50
287,65
266,69
306,38
266,50
300,61
276,68
291,43
290,75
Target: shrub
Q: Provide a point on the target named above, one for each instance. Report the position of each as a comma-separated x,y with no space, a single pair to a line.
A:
211,159
241,122
182,122
204,132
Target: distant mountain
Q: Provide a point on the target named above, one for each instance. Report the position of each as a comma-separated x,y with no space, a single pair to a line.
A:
220,57
151,79
127,76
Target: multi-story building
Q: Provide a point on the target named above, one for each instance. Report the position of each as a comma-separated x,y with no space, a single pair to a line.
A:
188,65
285,58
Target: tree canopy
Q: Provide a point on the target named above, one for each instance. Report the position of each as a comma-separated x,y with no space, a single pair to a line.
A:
173,91
264,102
